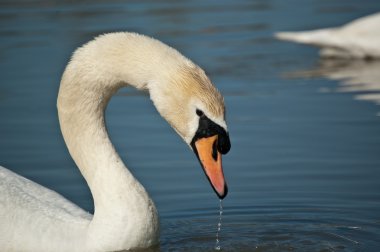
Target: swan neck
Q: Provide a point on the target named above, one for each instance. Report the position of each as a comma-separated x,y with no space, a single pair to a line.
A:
121,203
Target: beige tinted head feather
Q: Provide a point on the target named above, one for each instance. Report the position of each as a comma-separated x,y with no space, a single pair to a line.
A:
197,84
186,90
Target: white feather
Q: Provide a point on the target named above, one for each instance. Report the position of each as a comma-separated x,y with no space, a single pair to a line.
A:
357,39
34,218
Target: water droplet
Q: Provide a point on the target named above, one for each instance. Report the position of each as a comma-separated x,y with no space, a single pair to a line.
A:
219,227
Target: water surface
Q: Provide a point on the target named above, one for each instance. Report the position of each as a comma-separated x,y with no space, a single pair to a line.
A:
304,168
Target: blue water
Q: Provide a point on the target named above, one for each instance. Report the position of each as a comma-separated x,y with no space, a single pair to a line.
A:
304,168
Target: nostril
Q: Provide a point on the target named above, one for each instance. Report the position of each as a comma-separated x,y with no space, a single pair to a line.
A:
214,150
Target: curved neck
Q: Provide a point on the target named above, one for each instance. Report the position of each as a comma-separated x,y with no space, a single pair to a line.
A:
94,74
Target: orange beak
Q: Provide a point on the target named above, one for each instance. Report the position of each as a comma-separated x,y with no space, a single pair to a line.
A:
211,161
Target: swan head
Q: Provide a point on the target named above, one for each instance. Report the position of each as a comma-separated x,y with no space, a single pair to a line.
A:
195,109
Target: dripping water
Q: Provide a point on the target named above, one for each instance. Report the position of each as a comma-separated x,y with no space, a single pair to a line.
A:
219,227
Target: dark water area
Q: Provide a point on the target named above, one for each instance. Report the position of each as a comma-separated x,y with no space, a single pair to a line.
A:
304,168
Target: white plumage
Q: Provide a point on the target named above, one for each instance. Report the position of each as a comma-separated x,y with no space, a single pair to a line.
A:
34,218
357,39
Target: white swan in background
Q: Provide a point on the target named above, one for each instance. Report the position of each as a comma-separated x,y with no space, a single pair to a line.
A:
357,39
34,218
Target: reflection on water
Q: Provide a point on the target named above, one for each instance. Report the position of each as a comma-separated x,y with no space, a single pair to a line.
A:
268,229
360,77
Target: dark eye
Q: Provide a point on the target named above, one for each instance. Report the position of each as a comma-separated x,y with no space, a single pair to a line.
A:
199,112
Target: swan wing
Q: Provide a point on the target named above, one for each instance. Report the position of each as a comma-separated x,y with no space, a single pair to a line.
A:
358,39
29,210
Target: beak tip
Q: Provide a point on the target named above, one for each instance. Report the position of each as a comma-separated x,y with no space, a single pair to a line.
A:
223,193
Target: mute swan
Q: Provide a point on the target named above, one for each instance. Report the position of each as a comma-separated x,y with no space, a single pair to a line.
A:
34,218
357,39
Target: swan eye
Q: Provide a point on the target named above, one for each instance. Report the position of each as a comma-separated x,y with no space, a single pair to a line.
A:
199,112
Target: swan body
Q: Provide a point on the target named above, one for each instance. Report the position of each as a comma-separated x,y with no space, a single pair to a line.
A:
34,218
357,39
